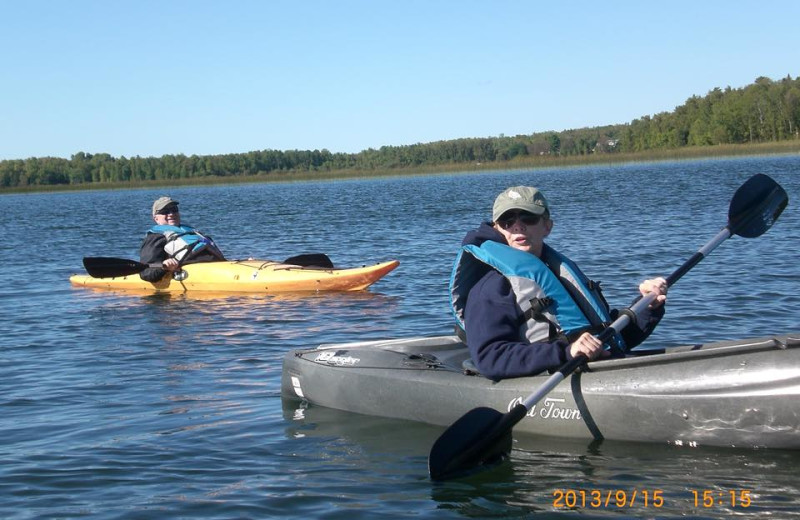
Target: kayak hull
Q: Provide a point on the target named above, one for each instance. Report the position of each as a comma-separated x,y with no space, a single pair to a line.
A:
734,393
247,276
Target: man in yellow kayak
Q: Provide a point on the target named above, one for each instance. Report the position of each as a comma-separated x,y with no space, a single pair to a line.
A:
524,306
172,244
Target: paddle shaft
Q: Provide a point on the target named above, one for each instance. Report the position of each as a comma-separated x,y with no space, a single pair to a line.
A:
723,235
624,319
106,267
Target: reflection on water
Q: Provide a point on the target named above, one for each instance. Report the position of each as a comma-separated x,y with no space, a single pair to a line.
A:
243,318
541,469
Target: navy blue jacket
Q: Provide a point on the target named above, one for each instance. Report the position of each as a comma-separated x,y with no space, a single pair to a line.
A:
492,318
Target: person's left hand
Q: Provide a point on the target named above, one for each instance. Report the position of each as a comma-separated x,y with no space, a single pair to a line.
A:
655,285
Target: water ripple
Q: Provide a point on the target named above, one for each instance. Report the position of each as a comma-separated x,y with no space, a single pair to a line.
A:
168,406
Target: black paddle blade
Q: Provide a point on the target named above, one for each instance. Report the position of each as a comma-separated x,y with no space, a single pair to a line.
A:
756,205
310,260
480,438
105,267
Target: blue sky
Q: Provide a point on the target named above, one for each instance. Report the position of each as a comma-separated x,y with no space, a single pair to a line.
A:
149,78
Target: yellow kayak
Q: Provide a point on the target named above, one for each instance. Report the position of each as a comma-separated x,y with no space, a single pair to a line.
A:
247,276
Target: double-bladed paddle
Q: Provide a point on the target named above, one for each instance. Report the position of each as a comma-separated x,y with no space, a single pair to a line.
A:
107,267
482,436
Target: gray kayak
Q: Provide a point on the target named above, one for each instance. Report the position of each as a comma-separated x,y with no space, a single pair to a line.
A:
732,393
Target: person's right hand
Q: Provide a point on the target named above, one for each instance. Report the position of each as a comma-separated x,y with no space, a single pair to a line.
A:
170,264
658,286
589,346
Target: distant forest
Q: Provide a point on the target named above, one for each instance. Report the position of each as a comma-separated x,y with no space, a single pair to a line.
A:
765,111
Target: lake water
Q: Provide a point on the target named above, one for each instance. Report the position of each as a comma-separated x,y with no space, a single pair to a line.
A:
124,406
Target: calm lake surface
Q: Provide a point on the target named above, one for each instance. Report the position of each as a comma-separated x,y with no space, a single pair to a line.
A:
125,406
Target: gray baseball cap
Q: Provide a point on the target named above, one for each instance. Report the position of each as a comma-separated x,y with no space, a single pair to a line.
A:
525,198
163,202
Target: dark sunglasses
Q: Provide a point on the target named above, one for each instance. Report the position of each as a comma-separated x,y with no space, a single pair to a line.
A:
167,211
507,219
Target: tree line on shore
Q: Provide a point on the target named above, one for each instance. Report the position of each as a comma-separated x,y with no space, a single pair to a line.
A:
764,111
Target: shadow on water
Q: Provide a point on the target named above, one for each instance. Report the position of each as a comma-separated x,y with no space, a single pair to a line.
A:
558,478
377,440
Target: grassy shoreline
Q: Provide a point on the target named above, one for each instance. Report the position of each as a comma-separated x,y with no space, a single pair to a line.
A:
690,153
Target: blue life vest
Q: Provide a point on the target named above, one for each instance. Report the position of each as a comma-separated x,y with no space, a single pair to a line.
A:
185,240
556,298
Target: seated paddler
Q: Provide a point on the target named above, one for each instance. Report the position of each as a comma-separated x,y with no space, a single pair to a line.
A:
526,308
172,244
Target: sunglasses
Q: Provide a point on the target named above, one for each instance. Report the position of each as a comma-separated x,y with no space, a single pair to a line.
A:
508,219
167,211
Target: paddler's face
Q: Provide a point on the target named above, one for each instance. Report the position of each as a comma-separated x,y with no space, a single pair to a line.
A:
169,216
524,231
